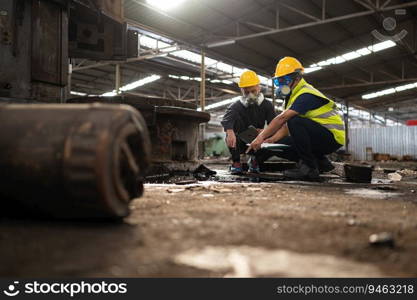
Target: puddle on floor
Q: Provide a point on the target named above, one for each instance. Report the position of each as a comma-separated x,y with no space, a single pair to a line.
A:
371,193
245,261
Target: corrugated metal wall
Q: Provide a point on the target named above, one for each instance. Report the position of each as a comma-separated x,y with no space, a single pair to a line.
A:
395,140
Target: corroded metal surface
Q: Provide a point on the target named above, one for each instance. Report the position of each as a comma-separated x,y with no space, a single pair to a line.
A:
71,161
34,56
97,31
173,125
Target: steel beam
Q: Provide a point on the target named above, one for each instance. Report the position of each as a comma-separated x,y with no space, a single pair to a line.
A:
257,25
320,22
296,10
365,84
130,60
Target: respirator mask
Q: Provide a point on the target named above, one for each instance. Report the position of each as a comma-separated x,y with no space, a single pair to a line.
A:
283,84
252,99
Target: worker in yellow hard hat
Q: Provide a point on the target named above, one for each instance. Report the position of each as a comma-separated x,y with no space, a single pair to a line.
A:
249,113
310,125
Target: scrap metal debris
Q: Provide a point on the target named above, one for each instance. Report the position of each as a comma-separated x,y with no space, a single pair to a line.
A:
353,222
161,174
358,174
175,190
185,182
383,239
407,172
203,173
385,188
395,177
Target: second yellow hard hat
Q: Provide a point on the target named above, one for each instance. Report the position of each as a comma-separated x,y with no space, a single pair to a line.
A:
248,78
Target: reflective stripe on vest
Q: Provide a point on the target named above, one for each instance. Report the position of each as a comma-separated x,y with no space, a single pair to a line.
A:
326,115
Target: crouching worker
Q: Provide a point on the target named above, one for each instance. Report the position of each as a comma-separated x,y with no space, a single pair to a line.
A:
250,110
310,124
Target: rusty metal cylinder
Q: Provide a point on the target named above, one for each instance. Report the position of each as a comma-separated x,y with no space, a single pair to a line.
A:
71,160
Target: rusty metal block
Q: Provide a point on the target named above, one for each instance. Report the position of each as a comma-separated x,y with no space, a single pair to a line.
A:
173,126
113,8
359,174
96,35
33,50
71,161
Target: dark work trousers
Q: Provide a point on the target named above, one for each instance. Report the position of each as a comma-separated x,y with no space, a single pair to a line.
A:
309,141
241,148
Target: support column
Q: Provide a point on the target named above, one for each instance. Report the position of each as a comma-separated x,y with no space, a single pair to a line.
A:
196,95
203,82
202,101
68,89
117,79
347,125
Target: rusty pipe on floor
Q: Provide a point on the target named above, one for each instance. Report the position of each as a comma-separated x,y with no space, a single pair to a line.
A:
71,160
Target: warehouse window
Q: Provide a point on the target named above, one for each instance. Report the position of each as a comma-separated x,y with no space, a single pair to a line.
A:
390,91
165,4
350,56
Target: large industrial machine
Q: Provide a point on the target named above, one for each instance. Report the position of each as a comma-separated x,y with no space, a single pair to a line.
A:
72,160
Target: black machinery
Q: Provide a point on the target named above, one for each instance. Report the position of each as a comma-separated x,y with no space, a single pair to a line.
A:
77,160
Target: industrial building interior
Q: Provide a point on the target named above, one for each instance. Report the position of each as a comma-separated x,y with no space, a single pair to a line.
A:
113,156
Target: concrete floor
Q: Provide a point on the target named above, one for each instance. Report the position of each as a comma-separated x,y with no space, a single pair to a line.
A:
228,229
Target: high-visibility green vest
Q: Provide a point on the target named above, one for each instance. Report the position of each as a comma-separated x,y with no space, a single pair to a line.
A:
326,115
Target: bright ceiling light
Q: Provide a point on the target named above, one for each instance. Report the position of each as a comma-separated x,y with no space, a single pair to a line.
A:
311,69
133,85
390,91
109,94
350,56
382,46
220,104
165,4
75,93
141,82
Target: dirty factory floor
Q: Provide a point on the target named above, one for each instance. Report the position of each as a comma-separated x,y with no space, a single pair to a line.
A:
217,229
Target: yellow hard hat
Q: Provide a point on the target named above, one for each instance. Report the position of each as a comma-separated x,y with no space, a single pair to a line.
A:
288,65
248,78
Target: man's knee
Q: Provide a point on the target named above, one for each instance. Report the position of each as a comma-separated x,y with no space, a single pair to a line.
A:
295,122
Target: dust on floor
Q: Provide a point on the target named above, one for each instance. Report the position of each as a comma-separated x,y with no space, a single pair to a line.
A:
228,229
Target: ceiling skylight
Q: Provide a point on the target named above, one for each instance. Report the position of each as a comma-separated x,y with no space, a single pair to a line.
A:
388,91
350,56
165,4
133,85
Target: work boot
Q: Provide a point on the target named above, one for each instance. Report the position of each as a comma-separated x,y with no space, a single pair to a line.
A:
325,165
303,172
253,165
236,168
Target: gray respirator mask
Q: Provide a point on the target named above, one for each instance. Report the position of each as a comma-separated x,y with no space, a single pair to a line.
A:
251,98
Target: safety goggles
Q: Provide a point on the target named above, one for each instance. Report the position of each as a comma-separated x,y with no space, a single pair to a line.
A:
283,80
